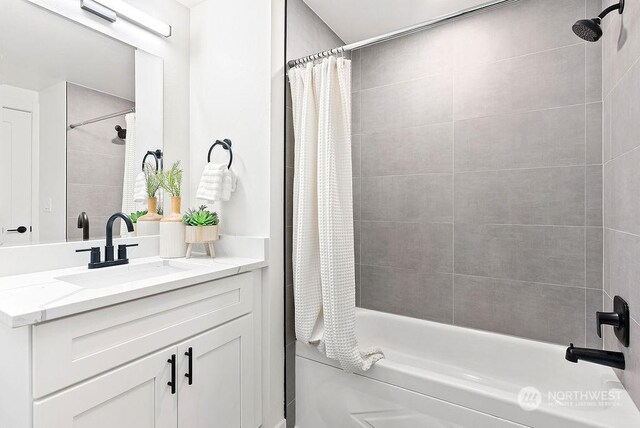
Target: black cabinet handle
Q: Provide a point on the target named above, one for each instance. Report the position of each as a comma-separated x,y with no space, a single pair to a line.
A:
172,384
20,229
189,374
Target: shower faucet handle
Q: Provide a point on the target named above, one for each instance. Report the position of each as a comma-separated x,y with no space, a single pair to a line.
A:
607,318
619,319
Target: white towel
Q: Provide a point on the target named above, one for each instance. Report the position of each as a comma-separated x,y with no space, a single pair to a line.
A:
216,184
140,189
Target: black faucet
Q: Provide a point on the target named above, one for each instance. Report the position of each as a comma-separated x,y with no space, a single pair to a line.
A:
83,223
598,356
619,319
108,249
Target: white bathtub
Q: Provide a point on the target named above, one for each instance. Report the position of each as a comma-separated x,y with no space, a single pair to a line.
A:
436,375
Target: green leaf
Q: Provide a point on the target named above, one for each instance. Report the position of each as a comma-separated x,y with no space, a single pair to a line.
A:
171,180
136,215
152,179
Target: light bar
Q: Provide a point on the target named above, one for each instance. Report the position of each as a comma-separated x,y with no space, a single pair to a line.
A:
98,9
128,12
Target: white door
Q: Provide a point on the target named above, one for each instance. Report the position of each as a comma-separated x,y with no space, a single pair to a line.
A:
221,391
15,176
134,396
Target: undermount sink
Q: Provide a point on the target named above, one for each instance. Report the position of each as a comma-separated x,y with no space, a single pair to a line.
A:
107,277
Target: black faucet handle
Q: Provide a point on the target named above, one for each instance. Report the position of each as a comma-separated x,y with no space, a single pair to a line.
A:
122,250
619,319
607,318
95,253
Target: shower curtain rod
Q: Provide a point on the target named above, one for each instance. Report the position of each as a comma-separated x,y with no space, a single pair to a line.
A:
101,118
399,33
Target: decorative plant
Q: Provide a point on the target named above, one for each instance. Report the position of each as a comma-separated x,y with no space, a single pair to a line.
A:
200,217
171,180
136,215
153,179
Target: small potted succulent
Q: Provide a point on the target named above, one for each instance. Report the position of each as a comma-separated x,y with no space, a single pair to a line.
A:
136,215
201,228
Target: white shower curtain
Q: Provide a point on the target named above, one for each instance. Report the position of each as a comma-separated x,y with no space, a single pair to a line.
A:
130,170
323,248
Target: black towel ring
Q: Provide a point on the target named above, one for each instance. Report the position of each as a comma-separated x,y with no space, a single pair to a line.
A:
157,155
226,144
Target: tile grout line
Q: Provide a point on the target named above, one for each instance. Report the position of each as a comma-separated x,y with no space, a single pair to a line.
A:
360,190
479,171
521,281
611,159
453,200
585,185
624,75
623,232
444,223
486,116
456,70
580,165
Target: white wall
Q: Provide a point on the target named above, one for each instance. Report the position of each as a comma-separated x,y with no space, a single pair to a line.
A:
230,87
237,92
174,51
27,100
53,163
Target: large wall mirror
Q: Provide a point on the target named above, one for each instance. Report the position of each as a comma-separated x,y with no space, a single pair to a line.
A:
78,113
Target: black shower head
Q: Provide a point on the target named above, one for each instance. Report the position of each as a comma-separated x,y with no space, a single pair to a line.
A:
122,133
590,29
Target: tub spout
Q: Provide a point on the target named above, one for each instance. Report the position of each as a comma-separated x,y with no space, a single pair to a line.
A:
598,356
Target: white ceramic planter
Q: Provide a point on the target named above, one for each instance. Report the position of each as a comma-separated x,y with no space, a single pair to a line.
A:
147,228
172,239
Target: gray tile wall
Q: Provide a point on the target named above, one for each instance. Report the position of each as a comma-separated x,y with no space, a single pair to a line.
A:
95,166
621,139
478,173
306,34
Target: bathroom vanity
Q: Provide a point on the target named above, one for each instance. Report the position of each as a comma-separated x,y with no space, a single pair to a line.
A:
180,339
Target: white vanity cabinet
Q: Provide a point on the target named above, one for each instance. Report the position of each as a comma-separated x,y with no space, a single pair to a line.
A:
222,356
136,395
187,358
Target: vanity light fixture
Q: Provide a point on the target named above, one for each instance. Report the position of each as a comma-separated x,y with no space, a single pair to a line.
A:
111,9
98,9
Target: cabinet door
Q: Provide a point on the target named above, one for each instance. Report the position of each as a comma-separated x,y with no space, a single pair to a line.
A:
221,392
134,396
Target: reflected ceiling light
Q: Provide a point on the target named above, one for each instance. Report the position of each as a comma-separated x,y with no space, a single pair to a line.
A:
110,9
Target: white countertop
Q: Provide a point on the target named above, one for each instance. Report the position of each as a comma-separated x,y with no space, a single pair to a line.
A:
36,297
